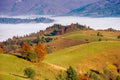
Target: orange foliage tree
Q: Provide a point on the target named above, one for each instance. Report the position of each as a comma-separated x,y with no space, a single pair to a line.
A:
62,31
41,51
1,50
25,49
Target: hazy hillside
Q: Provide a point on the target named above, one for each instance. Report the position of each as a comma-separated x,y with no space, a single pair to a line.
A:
54,7
100,8
19,20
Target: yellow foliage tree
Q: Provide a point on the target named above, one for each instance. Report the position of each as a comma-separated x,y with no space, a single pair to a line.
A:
41,51
25,49
1,50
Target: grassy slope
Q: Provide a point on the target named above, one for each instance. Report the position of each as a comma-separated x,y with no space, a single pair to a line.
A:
9,77
81,37
91,35
62,43
11,66
92,55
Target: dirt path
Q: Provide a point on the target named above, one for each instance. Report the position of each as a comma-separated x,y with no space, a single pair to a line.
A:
55,66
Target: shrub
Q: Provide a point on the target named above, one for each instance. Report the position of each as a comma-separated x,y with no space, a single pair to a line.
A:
118,37
93,76
61,76
118,78
29,72
110,72
31,56
99,39
99,34
70,74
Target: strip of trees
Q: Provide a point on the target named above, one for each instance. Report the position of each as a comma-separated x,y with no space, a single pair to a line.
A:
109,72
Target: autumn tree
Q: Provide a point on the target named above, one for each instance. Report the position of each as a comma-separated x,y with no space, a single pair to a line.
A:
25,49
62,30
1,50
110,72
41,51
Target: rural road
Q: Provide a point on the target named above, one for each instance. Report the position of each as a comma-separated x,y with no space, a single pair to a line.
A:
55,66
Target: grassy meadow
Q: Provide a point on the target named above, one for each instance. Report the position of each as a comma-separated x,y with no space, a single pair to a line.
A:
91,35
12,67
87,56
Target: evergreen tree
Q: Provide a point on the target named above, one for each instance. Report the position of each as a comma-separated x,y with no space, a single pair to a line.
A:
71,74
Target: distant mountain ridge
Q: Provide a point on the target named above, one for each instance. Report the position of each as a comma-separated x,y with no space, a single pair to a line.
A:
101,8
40,7
19,20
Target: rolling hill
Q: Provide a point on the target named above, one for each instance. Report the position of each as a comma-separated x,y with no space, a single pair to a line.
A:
80,37
12,67
91,35
94,55
75,45
102,8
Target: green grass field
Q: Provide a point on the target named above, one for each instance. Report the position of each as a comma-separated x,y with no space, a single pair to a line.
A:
91,35
12,67
4,76
93,55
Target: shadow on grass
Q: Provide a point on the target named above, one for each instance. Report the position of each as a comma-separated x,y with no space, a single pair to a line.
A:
19,56
18,75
